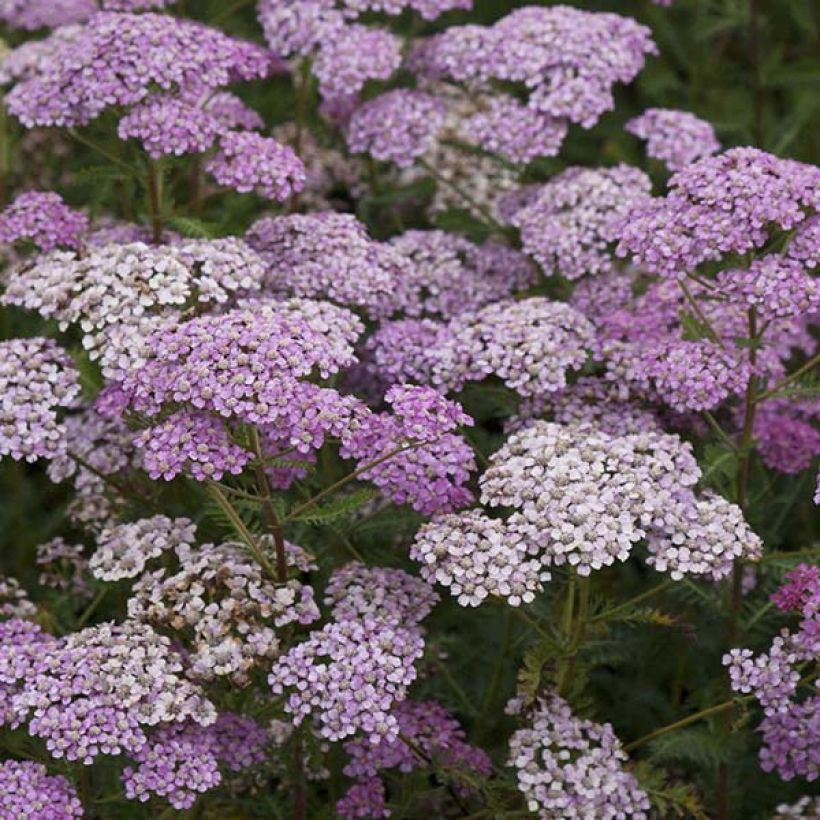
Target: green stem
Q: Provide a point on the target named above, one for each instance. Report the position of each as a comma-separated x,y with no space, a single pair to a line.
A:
92,607
335,487
679,724
809,365
605,616
721,433
263,486
693,303
155,199
567,630
101,151
242,528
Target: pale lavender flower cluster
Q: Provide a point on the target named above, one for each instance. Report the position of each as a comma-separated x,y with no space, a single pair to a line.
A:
22,645
31,793
805,808
724,204
582,497
43,218
222,598
786,432
96,691
568,61
196,444
35,14
790,728
434,735
37,378
776,286
244,363
353,57
447,274
412,455
170,126
573,768
124,549
477,557
249,162
506,126
119,293
348,676
357,591
569,224
529,344
119,59
179,762
399,126
677,138
329,255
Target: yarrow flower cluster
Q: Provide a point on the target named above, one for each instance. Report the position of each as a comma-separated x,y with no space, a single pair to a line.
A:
119,293
718,205
573,768
582,497
29,791
14,600
432,731
677,138
179,762
348,675
412,455
124,550
37,378
96,691
250,162
790,729
231,609
44,219
63,566
399,126
569,223
120,58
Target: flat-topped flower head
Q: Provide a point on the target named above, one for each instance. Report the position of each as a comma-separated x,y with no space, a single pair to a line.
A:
348,676
119,59
569,224
355,55
41,217
329,255
724,204
124,550
31,15
677,138
37,378
231,609
170,126
573,768
358,591
244,363
249,162
31,793
98,690
399,126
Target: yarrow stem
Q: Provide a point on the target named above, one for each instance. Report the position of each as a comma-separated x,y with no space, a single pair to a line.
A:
155,199
242,529
810,365
263,486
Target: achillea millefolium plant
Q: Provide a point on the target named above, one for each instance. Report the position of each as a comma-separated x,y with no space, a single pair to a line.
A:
409,408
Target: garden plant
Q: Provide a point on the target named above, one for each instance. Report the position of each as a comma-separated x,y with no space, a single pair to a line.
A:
410,409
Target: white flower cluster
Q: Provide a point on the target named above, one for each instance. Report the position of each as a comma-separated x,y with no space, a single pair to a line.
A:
231,609
584,498
476,557
572,768
124,549
113,292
